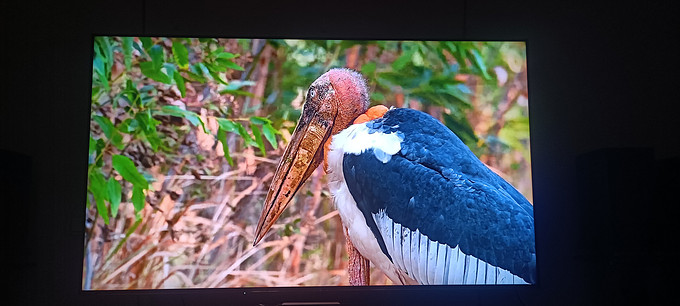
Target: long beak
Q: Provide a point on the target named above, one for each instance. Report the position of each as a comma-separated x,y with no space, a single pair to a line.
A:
302,156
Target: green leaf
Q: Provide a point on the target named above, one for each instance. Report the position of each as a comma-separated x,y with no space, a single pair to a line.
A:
215,67
131,93
105,124
260,120
377,96
226,55
148,126
97,184
368,68
101,209
196,77
216,76
193,118
98,189
179,80
110,131
101,144
127,52
154,73
180,54
222,137
270,133
92,146
236,92
258,139
230,64
171,69
404,59
114,191
235,127
138,198
479,63
126,167
459,91
227,125
129,126
100,71
157,57
106,51
245,135
202,69
146,43
237,84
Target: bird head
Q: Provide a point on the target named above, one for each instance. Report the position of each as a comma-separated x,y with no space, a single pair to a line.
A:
332,103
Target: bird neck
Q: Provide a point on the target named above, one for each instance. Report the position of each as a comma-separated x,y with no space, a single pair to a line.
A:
372,113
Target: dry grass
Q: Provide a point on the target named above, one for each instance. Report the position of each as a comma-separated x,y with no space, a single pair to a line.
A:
208,244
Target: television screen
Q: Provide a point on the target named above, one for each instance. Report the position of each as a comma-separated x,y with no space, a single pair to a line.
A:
222,163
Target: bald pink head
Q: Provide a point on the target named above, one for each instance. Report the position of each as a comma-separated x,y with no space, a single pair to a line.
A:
346,90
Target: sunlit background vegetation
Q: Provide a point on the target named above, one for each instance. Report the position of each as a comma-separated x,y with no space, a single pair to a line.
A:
186,134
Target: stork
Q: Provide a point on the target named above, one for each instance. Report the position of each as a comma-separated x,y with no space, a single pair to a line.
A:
414,200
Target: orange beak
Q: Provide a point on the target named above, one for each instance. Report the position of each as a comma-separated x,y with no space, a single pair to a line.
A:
302,156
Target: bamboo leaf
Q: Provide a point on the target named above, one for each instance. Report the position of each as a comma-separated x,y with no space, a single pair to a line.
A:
146,43
368,68
149,70
180,54
92,146
179,80
227,125
173,110
232,65
222,137
238,84
98,189
157,57
126,167
196,77
148,126
138,200
114,190
101,209
270,133
479,63
404,59
235,127
258,139
226,55
105,124
127,52
259,120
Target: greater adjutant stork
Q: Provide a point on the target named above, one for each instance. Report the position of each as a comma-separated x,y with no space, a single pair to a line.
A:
414,200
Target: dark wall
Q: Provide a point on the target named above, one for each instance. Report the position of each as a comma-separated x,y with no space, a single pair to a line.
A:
601,77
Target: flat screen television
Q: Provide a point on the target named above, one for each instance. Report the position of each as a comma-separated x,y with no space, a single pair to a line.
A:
187,166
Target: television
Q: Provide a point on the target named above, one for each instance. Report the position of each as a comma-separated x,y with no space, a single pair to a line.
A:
586,94
187,136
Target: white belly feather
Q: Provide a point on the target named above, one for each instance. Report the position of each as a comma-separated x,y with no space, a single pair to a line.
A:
352,218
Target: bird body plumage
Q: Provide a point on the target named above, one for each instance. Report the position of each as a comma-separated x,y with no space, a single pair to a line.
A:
437,213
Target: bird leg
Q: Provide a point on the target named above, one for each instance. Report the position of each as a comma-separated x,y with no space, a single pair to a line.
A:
358,268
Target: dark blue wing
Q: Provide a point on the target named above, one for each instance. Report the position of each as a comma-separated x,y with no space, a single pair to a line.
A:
436,185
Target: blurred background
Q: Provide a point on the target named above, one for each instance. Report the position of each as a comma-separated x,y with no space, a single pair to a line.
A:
186,135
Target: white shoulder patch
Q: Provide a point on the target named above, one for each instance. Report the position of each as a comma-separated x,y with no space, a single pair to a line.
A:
356,139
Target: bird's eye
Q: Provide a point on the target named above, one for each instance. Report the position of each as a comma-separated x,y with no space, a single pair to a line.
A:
312,93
